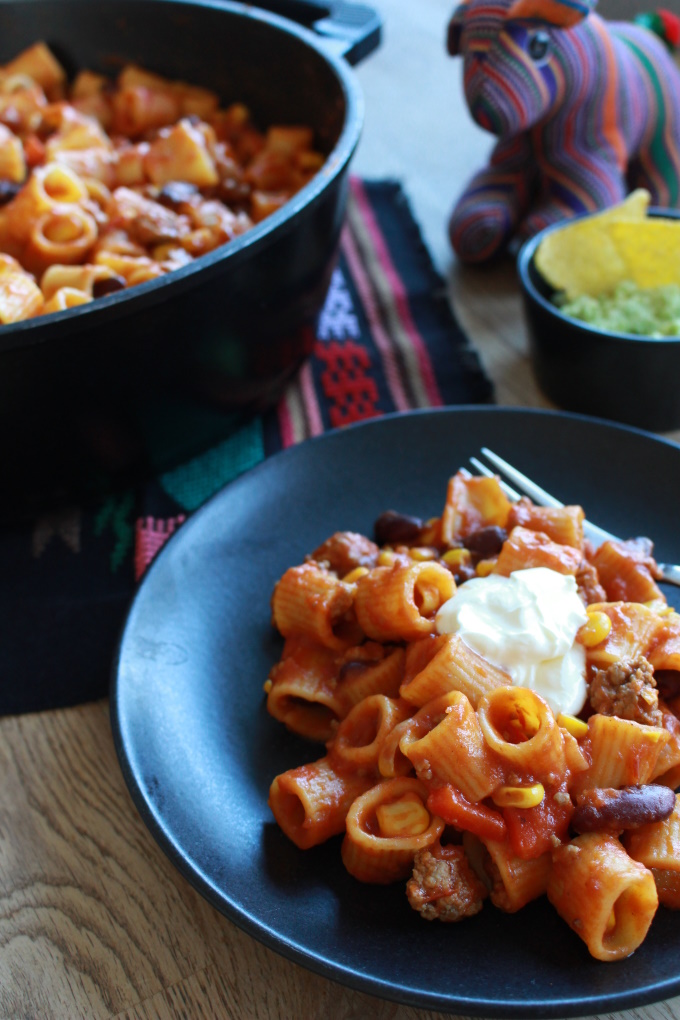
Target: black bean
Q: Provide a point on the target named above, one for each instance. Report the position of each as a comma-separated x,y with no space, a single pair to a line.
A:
392,528
628,808
464,572
8,190
107,285
668,683
233,192
486,542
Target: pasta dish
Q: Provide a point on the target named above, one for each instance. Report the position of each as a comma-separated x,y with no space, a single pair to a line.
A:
105,185
499,706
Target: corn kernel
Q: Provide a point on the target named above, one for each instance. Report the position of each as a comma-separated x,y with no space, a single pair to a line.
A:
485,567
422,553
595,630
457,557
355,574
577,727
163,251
407,816
518,796
385,558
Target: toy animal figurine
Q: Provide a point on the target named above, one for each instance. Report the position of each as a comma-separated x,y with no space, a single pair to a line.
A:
584,109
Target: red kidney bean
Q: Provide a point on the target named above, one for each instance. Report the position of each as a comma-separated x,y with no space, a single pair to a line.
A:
392,528
486,542
607,810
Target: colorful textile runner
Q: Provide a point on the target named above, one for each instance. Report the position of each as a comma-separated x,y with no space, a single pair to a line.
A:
386,341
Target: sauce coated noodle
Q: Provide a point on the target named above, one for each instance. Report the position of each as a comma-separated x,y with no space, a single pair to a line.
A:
441,772
105,185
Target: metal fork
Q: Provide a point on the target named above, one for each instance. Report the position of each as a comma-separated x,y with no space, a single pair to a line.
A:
670,572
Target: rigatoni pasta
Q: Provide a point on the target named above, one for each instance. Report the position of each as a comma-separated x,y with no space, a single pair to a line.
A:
488,701
134,177
600,891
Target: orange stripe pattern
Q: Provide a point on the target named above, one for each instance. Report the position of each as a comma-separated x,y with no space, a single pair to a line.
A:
583,114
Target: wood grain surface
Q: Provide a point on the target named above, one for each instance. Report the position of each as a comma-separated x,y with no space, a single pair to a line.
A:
94,920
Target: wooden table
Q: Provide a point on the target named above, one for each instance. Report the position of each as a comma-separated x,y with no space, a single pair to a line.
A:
94,920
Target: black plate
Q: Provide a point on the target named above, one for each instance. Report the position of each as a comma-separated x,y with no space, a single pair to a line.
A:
199,751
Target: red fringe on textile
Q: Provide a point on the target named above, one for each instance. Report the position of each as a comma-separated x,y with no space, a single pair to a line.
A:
151,534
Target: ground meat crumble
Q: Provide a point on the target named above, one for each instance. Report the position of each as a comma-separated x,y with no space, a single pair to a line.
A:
627,689
346,550
444,887
589,587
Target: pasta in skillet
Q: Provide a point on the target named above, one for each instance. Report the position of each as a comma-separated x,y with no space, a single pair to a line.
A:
105,185
474,757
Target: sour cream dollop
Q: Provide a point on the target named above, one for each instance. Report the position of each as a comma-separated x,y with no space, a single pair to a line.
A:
526,624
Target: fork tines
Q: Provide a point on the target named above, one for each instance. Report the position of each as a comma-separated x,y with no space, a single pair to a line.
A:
528,488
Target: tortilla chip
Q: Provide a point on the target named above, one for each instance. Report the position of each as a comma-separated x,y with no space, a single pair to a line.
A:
583,257
651,252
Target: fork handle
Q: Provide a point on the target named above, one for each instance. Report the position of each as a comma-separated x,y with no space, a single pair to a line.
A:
670,572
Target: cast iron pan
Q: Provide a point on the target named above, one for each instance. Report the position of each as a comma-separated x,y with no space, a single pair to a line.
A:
136,382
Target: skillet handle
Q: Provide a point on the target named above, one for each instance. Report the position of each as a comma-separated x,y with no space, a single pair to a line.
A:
353,30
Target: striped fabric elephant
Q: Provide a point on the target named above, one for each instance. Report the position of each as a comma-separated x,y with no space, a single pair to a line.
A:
584,110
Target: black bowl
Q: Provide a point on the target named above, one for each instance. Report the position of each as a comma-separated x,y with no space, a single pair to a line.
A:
620,376
134,383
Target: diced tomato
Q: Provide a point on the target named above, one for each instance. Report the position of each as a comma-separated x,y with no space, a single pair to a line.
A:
530,829
452,807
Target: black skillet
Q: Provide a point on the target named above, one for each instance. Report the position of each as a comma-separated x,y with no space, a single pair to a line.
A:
144,378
